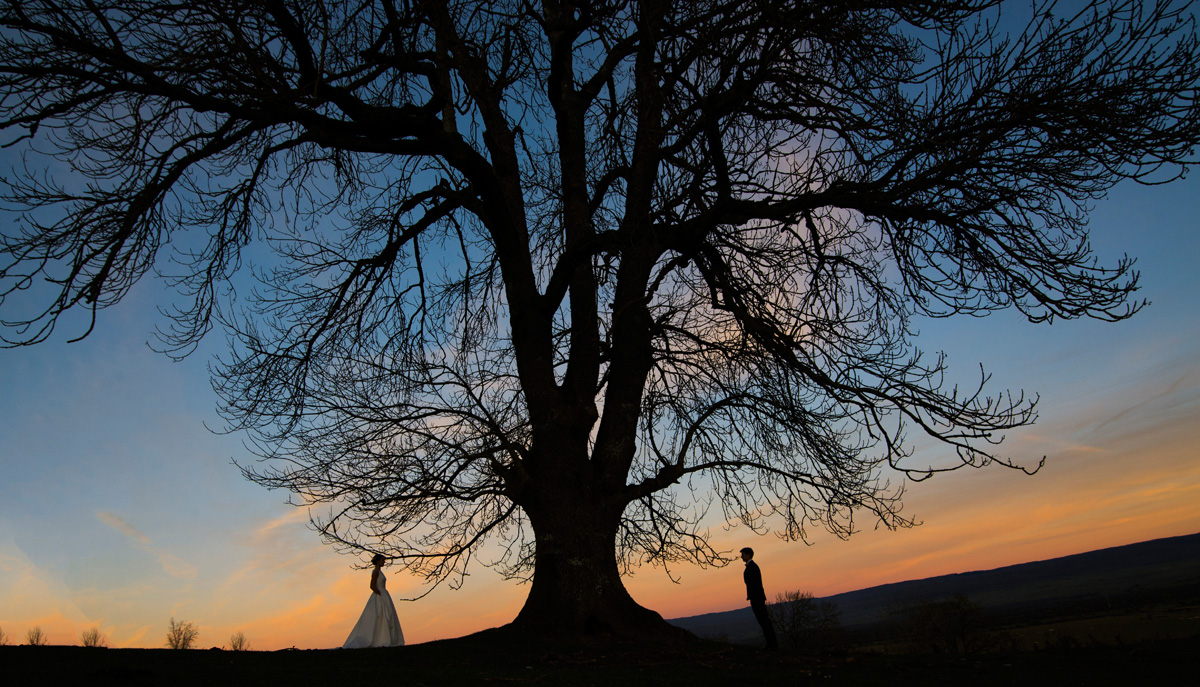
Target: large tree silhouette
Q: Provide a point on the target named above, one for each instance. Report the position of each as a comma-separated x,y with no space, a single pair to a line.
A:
561,276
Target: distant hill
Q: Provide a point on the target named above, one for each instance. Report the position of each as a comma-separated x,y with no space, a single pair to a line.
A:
1082,582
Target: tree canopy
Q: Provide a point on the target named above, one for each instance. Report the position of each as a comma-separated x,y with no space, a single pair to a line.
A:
566,275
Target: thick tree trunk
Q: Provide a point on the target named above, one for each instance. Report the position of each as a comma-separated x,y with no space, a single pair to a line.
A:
577,589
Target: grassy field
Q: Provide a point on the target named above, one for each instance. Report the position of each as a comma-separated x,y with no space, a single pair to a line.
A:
1153,645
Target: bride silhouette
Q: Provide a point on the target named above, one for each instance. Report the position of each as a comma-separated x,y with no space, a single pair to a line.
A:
378,624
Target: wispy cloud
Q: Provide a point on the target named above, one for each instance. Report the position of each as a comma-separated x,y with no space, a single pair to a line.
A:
171,564
119,524
32,595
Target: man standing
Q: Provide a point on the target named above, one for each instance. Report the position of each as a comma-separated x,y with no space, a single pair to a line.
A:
757,596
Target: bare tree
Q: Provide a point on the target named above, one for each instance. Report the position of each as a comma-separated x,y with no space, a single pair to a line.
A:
93,638
563,276
3,638
35,636
238,642
953,625
805,624
181,635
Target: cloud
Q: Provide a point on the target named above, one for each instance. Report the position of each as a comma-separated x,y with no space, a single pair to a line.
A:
31,595
117,523
283,550
171,564
135,639
292,590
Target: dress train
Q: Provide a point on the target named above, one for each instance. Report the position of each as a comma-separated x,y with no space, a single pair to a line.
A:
378,624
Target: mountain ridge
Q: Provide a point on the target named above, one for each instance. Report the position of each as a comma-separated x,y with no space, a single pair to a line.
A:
1085,581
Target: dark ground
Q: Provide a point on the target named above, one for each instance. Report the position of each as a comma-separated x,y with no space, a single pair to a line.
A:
490,658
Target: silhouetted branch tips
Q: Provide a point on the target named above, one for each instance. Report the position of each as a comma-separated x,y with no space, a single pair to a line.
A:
35,637
238,642
181,635
953,625
488,267
93,639
807,625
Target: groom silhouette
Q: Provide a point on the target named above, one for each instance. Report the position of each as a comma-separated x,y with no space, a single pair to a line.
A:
758,597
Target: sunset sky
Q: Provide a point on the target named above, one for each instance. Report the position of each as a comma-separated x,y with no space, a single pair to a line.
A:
120,510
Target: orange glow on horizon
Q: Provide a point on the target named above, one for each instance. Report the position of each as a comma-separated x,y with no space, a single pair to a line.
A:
1096,491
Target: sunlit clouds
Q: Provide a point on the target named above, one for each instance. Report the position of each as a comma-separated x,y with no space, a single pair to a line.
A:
33,598
171,564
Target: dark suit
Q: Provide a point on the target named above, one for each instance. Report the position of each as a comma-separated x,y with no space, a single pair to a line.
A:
758,601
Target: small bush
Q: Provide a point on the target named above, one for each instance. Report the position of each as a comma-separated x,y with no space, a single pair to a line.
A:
3,637
806,625
238,642
181,635
35,637
954,625
93,639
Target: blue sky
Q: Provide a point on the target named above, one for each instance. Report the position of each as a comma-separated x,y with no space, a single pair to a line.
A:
120,510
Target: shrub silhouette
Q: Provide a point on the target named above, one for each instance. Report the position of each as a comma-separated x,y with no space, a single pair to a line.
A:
93,638
3,637
952,625
804,624
238,642
35,637
181,635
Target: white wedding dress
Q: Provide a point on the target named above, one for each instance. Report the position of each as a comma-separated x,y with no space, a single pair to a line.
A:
378,624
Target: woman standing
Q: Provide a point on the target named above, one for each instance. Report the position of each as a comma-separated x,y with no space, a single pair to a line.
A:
378,624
